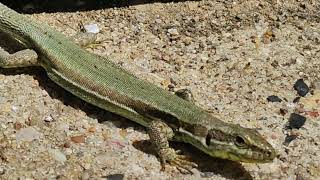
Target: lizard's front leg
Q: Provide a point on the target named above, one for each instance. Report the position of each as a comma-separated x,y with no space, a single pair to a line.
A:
160,133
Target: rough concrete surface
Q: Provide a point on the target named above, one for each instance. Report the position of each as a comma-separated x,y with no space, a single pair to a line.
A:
231,54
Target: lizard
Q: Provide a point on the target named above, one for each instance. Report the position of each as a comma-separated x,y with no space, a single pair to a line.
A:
100,82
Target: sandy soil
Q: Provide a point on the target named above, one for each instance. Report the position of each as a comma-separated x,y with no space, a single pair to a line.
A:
231,54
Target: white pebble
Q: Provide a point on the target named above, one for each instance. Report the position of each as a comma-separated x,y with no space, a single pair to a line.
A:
92,28
57,155
28,134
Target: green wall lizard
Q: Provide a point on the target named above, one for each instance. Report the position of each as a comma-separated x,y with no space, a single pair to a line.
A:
101,83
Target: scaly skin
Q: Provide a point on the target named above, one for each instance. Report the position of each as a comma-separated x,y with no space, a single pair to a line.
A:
101,83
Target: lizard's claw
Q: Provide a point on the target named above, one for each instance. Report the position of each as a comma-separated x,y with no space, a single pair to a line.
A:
173,157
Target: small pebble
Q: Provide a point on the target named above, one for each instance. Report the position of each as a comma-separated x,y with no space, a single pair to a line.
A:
2,99
57,155
207,174
91,28
301,87
48,118
85,175
78,139
296,121
2,171
173,31
92,129
185,94
283,111
67,145
115,177
289,139
28,134
123,133
316,85
173,81
14,108
273,98
171,86
296,99
313,114
17,126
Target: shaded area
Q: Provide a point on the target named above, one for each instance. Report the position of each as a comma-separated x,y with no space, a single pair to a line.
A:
38,6
207,165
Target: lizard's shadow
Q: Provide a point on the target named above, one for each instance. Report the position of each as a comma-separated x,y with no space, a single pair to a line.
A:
208,166
35,6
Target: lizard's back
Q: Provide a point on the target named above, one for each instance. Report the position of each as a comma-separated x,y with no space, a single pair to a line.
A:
96,79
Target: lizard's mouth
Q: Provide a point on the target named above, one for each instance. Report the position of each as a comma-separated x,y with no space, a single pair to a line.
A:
255,156
243,155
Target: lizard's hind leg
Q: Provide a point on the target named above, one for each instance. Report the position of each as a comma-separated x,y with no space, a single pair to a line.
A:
14,53
22,58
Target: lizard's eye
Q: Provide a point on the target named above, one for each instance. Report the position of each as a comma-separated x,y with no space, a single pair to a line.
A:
239,141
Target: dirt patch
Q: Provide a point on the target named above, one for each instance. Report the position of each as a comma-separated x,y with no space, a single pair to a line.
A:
231,54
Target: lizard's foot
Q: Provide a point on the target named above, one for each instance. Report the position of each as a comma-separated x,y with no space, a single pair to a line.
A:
159,133
84,39
87,40
174,158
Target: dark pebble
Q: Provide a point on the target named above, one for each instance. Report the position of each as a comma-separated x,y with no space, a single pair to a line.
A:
296,121
288,139
283,111
273,98
185,94
301,87
115,177
296,99
171,87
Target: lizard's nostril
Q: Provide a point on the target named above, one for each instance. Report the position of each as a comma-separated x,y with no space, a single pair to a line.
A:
269,154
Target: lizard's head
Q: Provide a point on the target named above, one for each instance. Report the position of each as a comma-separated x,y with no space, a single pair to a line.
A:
233,142
239,144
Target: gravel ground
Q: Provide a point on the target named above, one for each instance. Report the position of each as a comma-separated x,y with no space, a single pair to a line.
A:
231,54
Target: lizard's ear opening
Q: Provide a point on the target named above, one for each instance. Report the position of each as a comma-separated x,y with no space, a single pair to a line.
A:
208,139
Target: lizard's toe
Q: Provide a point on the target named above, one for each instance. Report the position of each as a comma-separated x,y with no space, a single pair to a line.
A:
183,165
181,162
